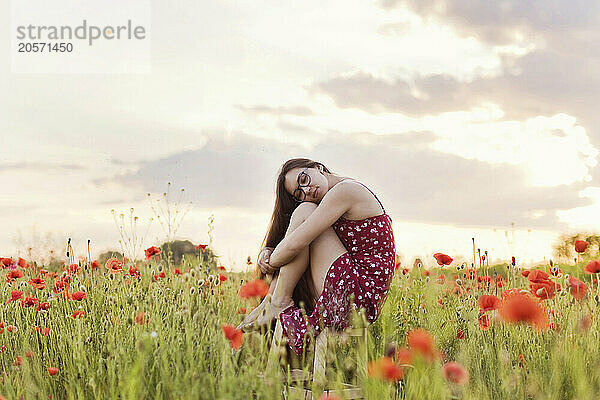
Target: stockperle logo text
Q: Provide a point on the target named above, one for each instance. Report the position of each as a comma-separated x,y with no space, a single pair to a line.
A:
91,33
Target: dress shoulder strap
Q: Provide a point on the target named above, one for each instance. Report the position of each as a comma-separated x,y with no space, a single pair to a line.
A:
369,191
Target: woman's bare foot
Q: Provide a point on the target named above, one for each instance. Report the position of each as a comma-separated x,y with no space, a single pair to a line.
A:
264,313
254,314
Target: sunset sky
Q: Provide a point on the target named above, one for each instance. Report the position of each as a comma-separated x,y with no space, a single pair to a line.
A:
462,116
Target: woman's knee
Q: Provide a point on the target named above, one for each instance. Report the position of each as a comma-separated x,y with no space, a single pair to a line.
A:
302,212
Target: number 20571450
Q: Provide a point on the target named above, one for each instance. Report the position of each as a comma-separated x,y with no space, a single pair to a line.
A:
40,47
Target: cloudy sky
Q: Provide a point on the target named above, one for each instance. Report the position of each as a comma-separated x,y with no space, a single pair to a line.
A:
467,119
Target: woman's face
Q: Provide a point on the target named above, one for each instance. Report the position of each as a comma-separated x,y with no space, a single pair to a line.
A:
314,182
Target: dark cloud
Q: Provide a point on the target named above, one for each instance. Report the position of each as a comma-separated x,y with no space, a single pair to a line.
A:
439,93
239,172
41,167
539,89
282,110
497,21
414,182
561,75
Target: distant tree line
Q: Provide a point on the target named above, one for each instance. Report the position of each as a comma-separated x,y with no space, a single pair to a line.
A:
176,251
564,249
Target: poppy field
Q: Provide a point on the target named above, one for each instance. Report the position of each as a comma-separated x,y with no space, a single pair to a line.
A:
149,329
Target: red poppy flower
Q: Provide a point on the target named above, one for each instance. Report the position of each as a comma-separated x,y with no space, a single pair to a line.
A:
201,247
78,313
426,273
455,373
15,295
544,290
11,328
500,282
538,276
176,271
442,259
235,336
577,288
385,369
29,301
221,268
134,272
79,295
470,274
61,286
161,274
586,322
152,251
222,278
44,331
460,334
74,269
484,322
256,288
421,341
541,286
593,267
14,274
22,263
52,370
38,283
114,265
43,306
95,264
519,308
141,318
488,302
404,356
522,361
6,261
525,273
555,271
581,245
241,310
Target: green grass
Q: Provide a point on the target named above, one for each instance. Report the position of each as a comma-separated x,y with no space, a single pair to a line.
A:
182,352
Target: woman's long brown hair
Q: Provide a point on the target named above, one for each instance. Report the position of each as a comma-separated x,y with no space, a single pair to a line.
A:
304,293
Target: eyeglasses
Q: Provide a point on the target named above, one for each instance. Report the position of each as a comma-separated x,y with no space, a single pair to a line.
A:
303,181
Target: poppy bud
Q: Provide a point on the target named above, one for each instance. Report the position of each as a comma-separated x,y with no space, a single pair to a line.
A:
390,349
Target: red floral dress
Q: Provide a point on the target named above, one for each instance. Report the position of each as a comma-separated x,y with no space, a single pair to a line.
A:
364,271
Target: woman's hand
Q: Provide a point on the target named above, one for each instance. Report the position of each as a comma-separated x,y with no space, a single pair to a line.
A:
263,261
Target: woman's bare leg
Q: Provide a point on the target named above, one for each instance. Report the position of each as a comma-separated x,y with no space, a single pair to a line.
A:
320,255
